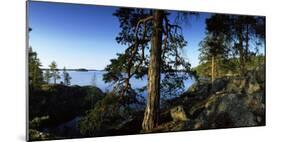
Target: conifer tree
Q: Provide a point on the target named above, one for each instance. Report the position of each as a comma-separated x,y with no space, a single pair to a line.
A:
54,71
154,43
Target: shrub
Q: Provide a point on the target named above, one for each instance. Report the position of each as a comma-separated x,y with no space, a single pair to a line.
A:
101,117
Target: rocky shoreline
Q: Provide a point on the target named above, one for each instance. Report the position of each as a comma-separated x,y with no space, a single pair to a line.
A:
228,102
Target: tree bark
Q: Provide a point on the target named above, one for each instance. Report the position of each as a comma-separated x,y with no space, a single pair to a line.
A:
151,115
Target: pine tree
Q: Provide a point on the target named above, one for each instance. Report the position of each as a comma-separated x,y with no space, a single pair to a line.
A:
139,27
35,74
213,49
47,76
238,31
66,77
54,71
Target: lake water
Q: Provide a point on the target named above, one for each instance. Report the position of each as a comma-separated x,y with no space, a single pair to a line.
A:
84,78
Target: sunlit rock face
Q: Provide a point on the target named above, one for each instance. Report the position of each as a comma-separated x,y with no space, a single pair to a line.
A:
225,103
178,114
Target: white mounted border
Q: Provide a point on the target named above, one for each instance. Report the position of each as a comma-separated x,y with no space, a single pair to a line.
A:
12,72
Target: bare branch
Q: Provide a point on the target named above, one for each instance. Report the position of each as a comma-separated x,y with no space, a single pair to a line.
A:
133,49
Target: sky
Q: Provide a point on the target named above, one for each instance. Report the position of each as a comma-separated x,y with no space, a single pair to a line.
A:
83,36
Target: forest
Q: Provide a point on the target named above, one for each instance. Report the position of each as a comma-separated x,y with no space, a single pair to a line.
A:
228,89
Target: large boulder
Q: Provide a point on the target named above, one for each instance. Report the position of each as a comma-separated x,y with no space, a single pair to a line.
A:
226,103
231,110
236,85
253,85
35,135
178,114
233,102
219,84
200,90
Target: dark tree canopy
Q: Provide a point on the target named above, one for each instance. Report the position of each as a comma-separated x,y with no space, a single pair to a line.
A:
136,31
232,36
151,38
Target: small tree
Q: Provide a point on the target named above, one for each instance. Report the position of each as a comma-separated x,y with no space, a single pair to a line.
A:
47,76
54,71
213,48
34,71
66,77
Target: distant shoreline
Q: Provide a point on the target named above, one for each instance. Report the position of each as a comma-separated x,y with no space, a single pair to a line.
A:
81,69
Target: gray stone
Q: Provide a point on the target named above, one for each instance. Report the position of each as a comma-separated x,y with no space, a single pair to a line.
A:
219,84
178,114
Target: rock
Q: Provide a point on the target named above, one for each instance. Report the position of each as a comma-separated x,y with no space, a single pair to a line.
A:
236,85
228,103
199,90
192,88
131,125
231,110
37,135
256,103
252,85
178,114
260,74
219,84
198,125
168,127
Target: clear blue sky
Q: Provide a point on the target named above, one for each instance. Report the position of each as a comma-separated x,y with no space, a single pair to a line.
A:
83,36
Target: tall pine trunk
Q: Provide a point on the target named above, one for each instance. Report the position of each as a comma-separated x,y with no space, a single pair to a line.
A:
151,115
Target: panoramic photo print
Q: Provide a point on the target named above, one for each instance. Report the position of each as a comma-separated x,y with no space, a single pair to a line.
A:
104,71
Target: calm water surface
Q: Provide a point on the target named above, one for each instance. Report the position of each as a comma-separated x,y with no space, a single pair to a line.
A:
84,78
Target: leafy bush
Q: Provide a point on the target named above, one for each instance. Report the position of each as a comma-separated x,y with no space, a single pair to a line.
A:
101,117
54,104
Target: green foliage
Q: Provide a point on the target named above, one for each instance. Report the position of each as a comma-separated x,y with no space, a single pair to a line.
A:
101,117
136,33
233,25
231,37
213,46
35,74
255,61
107,114
172,84
47,76
229,67
54,71
37,122
60,103
66,77
115,69
35,135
